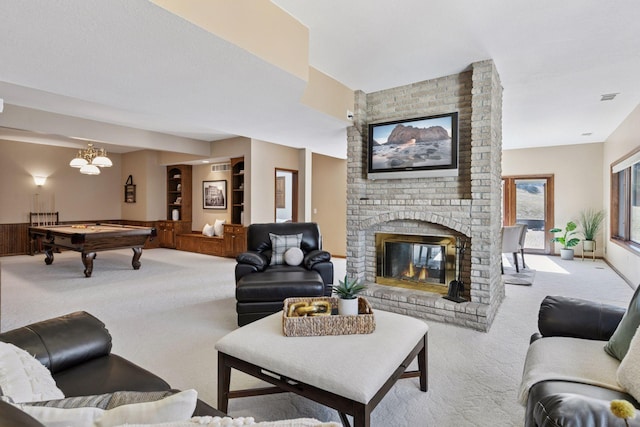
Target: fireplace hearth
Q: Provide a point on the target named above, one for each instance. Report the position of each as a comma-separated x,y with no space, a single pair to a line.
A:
424,263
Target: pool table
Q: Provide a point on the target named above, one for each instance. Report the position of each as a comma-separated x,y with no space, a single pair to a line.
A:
91,238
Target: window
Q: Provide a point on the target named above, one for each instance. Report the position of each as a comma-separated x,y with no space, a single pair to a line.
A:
625,200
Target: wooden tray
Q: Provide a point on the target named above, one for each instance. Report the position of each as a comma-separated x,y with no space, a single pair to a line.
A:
363,323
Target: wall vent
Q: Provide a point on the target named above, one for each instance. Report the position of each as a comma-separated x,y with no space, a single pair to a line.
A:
220,167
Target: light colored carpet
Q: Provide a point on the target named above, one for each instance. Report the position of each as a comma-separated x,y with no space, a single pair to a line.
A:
168,315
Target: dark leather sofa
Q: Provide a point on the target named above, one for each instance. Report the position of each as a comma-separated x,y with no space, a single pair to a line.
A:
261,287
76,348
564,403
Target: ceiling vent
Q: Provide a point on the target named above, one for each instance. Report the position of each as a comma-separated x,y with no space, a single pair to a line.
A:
608,96
220,167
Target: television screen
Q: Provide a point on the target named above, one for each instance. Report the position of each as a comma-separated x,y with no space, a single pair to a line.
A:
413,148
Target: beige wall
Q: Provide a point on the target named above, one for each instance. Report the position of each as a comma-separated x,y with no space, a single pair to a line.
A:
150,179
77,197
624,140
329,202
266,158
578,179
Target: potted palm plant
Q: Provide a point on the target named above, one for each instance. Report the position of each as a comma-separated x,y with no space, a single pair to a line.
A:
347,292
590,222
566,239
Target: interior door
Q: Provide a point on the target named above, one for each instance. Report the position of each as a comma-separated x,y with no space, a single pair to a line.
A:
286,195
529,200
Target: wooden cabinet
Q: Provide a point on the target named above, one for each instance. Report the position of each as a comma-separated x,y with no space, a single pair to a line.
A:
178,205
235,239
237,190
168,230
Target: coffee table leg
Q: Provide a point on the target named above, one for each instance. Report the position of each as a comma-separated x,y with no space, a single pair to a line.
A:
224,382
362,416
423,357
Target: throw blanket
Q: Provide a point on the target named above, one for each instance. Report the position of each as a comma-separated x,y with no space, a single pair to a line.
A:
568,359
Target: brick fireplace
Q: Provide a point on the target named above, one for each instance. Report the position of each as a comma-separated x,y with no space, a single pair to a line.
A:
465,207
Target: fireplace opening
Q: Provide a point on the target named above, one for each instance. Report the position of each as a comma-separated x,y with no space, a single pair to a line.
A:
426,263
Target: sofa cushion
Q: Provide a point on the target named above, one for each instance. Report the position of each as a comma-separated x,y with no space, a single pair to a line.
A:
280,243
23,378
177,407
567,359
618,344
629,369
106,400
106,375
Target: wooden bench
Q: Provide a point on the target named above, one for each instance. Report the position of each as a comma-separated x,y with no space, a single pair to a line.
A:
198,242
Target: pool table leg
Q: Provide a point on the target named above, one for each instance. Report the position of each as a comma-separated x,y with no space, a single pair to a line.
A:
87,260
137,253
48,253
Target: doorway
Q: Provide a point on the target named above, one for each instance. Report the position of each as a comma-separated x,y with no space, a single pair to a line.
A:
286,195
529,200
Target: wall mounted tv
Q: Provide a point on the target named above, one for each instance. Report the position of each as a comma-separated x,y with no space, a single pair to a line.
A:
414,148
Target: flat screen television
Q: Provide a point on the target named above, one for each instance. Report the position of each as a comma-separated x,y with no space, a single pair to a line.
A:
414,148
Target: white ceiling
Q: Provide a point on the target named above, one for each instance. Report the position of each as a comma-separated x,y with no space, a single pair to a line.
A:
131,63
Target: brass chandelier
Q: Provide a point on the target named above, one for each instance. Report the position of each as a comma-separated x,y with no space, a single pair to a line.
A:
90,160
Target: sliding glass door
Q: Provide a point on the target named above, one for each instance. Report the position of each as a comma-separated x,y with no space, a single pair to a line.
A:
529,200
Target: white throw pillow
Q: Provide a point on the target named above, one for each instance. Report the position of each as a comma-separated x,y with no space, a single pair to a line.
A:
174,408
227,421
629,369
63,417
293,256
218,228
23,378
208,230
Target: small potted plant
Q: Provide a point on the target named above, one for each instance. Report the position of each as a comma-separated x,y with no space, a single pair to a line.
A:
347,292
590,222
566,240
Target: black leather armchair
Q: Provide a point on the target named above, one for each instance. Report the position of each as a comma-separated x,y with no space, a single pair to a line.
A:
261,286
566,403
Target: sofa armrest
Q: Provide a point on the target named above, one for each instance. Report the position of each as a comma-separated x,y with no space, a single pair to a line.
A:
253,258
314,257
577,318
64,341
568,409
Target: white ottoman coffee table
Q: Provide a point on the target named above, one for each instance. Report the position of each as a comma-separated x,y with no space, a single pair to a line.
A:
350,373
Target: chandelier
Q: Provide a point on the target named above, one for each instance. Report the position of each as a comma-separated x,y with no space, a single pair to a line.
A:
90,160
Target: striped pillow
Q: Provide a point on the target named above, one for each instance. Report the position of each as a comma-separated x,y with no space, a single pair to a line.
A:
281,243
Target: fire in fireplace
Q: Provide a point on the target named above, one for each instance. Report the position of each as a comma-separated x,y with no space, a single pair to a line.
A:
425,263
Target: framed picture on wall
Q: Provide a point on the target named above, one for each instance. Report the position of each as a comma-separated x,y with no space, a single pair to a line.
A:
280,192
214,194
